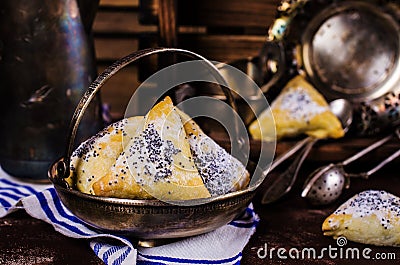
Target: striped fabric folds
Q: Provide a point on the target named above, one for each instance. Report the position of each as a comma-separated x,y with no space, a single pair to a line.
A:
42,202
11,193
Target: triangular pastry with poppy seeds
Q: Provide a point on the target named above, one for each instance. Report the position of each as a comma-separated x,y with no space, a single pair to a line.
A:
94,157
157,162
221,172
298,109
156,156
370,217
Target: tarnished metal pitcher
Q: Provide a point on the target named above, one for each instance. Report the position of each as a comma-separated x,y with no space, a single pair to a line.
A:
47,61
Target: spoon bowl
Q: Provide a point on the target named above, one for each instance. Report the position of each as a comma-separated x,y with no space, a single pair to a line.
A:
327,183
342,109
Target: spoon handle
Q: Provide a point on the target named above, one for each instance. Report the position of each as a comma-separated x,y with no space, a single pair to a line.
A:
380,165
366,150
283,183
365,175
290,152
383,163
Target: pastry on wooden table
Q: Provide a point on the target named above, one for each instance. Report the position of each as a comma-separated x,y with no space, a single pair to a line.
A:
298,109
370,217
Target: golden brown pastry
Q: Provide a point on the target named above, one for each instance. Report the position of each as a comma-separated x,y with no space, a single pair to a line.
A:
221,172
94,157
298,109
155,156
159,159
153,160
370,217
118,182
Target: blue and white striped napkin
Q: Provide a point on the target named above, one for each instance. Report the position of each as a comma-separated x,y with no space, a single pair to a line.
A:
42,202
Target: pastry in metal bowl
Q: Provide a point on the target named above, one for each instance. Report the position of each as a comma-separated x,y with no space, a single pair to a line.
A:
167,195
152,218
156,156
155,176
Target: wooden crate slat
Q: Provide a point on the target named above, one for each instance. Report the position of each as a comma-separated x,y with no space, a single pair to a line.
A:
148,12
119,22
119,89
119,3
111,49
119,30
218,13
224,48
227,13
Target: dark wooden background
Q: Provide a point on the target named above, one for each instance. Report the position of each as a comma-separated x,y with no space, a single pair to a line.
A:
221,30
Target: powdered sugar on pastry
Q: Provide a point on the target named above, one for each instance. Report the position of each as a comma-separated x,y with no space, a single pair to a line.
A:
298,109
151,158
160,159
219,170
371,217
299,104
373,202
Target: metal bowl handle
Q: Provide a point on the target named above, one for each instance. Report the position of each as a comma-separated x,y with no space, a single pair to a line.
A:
63,165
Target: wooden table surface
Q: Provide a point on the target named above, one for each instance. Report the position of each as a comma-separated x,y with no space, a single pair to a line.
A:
289,223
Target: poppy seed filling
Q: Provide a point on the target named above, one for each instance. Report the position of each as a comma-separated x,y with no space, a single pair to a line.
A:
159,154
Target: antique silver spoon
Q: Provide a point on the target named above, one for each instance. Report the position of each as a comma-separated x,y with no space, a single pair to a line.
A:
326,184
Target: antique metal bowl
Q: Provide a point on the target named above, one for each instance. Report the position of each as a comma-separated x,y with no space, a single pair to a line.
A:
147,219
152,219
